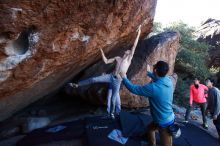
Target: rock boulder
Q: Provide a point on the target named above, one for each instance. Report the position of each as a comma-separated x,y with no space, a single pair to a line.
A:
209,32
163,46
45,43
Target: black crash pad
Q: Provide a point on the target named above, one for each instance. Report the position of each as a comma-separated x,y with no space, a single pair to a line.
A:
95,130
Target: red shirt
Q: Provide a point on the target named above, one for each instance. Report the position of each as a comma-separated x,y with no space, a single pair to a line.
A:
198,95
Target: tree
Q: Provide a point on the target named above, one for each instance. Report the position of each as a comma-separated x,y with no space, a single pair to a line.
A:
190,60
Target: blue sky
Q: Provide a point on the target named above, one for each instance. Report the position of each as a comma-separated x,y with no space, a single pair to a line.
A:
191,12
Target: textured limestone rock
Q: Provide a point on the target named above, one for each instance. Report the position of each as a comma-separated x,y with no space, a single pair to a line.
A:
209,32
45,43
163,46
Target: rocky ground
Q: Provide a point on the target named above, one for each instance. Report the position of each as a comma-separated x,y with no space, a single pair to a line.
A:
61,108
57,112
196,119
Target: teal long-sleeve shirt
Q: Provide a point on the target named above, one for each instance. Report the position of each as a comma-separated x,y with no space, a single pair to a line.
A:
160,96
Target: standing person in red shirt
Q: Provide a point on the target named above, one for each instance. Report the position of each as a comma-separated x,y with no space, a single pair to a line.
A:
198,94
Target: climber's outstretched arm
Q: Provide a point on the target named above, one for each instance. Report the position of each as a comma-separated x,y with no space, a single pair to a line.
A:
107,61
135,42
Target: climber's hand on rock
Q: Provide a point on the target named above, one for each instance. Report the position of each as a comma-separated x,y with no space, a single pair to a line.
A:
139,28
145,22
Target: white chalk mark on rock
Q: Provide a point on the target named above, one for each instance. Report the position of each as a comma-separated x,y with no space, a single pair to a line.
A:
34,38
15,11
74,36
14,57
4,75
83,38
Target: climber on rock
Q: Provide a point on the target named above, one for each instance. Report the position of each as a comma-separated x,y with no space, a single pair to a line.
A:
114,79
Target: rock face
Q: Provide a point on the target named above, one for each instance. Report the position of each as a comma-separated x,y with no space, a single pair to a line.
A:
43,44
209,32
163,46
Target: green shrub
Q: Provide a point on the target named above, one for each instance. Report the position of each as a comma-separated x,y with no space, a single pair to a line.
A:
181,93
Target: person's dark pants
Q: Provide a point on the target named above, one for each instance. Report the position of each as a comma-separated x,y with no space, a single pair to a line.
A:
165,137
202,107
217,125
